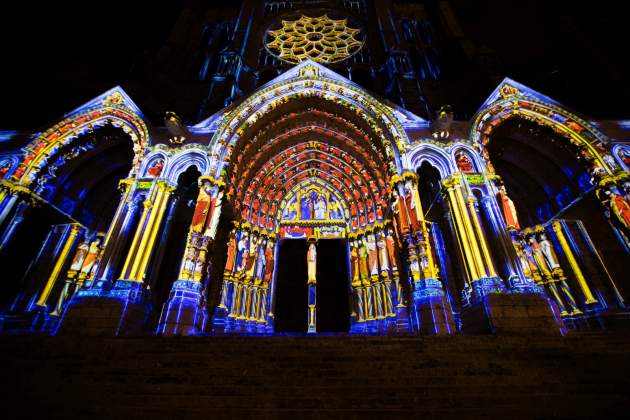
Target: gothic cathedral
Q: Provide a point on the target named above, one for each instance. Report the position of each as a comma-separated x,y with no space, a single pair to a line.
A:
316,184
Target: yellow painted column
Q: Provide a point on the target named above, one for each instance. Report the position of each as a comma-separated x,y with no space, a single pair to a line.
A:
482,238
461,230
142,223
61,260
146,232
146,247
588,295
474,246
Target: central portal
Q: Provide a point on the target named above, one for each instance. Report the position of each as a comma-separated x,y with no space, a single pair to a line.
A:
333,308
291,303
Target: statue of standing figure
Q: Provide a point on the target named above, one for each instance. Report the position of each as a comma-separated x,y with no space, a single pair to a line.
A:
320,208
311,259
508,209
92,256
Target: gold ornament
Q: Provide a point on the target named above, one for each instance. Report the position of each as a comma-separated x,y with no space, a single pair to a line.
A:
320,39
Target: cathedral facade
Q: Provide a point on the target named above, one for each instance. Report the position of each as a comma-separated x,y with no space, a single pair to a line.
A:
319,190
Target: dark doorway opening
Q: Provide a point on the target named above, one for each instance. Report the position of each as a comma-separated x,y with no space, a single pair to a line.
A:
333,309
291,303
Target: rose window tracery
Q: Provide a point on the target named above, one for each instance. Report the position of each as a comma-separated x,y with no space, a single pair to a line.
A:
320,39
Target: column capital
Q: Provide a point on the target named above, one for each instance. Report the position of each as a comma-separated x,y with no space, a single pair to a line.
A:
452,181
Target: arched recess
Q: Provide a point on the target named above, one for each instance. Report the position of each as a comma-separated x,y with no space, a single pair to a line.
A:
439,158
179,160
69,173
375,118
111,112
77,182
512,102
548,179
302,135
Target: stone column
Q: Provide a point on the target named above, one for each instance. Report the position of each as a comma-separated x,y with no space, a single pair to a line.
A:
586,291
483,279
122,310
183,312
117,235
431,313
61,261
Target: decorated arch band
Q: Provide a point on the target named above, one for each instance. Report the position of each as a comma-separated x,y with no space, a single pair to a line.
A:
111,111
511,102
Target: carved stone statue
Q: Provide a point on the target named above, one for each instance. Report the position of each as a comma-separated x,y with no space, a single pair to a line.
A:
311,259
231,253
354,264
91,257
79,256
155,170
463,163
268,262
508,209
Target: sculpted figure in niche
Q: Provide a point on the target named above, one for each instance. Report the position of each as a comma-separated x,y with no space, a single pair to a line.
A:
400,212
463,163
155,170
382,252
202,209
320,207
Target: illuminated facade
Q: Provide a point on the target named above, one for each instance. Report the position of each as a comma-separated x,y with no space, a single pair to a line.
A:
437,230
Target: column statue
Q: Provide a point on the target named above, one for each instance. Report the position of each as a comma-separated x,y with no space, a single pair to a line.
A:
372,257
508,209
269,254
311,258
231,254
354,264
364,274
382,251
90,259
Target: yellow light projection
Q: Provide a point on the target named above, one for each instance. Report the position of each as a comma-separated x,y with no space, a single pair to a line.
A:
320,39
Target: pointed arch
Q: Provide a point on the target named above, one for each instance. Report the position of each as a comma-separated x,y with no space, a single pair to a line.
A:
384,127
511,99
435,155
112,110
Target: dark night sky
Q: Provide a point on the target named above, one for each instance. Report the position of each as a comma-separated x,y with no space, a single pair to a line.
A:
57,57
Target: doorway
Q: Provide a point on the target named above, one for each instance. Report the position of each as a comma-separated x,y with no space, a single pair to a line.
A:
333,307
291,304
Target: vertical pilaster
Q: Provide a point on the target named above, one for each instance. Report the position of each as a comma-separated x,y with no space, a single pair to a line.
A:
61,261
588,295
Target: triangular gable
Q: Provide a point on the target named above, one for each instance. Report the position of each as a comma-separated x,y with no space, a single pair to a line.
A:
523,91
99,100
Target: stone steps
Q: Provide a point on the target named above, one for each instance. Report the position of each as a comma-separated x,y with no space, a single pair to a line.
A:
580,376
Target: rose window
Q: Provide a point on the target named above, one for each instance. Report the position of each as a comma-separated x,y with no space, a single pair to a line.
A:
320,39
